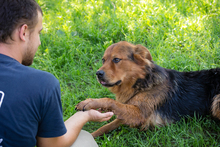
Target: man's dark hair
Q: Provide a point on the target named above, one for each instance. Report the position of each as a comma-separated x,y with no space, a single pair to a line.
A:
15,13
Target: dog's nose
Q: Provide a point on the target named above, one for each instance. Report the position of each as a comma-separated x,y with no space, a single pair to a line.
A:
100,73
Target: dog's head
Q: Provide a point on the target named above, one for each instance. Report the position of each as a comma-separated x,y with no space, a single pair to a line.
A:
123,64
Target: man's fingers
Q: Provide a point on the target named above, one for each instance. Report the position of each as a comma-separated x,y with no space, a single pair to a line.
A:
107,116
110,114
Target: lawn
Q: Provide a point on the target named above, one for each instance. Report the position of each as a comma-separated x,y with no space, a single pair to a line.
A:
181,34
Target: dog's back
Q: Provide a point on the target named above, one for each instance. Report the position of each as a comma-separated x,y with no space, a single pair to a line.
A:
190,93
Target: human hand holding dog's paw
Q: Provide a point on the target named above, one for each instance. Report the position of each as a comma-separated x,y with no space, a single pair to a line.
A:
88,106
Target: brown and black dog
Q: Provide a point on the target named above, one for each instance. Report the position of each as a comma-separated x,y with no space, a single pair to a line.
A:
149,95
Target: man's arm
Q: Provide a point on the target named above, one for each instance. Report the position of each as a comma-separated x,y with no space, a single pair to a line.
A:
73,125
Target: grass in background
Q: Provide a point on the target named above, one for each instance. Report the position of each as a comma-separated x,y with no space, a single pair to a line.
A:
181,35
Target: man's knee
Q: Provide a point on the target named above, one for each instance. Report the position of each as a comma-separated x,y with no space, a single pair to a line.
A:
84,139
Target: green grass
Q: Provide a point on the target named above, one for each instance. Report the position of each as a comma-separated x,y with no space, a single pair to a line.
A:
180,34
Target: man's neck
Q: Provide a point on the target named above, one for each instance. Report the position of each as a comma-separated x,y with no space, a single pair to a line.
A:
11,50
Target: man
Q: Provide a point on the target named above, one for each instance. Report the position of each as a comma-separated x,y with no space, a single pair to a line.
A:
30,102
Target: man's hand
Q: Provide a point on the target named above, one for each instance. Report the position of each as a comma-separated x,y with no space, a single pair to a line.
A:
74,125
97,116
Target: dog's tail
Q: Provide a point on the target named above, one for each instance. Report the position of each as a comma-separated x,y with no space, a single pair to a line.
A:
216,106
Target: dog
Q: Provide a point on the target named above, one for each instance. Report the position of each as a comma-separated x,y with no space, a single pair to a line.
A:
149,95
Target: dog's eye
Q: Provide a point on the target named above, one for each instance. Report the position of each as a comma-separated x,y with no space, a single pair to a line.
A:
116,60
103,60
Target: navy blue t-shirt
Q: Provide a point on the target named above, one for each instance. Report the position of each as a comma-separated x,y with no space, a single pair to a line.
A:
30,104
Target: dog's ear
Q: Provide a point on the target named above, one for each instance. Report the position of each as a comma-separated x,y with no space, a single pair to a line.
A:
141,55
143,52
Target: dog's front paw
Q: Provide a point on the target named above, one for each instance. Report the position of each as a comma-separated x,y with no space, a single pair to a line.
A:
82,105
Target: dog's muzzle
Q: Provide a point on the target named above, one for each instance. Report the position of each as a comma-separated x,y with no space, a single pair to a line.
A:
101,78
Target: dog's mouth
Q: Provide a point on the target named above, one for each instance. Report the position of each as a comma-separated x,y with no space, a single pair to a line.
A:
106,84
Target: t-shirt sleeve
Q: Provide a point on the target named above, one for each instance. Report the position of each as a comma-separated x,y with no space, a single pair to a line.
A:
51,123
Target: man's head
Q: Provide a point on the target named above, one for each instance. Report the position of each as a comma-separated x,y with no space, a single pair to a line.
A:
15,13
32,41
20,26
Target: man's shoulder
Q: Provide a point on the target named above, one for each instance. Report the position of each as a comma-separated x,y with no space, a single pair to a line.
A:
39,82
39,73
40,76
16,73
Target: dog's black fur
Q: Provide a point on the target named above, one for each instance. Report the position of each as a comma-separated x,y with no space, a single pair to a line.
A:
190,92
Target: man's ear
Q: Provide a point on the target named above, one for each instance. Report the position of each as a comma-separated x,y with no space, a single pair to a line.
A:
24,32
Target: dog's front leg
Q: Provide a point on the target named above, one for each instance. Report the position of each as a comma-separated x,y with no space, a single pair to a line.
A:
106,128
128,114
